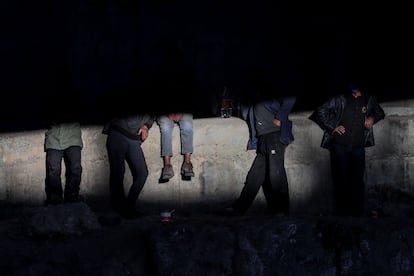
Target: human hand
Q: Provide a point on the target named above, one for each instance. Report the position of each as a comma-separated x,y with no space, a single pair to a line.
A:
369,122
339,129
277,122
143,132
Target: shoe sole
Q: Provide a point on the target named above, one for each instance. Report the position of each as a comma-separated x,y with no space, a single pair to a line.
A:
185,178
165,178
161,180
191,174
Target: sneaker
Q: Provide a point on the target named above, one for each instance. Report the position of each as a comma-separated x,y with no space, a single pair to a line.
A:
167,172
187,169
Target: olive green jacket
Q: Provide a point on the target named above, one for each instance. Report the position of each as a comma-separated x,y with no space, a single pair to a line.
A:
62,136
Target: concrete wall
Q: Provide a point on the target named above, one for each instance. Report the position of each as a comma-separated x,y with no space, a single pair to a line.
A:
220,161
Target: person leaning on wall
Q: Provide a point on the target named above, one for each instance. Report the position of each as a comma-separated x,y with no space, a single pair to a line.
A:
61,114
273,133
347,122
63,141
125,137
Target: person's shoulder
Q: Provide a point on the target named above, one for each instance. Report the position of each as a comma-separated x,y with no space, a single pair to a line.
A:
335,97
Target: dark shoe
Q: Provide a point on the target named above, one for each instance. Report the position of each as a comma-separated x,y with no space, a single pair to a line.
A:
278,213
187,169
73,198
231,212
54,200
167,172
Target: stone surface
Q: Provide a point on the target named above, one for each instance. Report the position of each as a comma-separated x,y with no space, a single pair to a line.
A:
201,243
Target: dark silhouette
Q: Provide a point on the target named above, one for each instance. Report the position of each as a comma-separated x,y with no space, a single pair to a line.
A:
273,134
347,120
63,141
125,136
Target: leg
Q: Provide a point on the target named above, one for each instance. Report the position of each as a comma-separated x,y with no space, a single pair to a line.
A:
254,180
117,146
137,163
340,178
357,183
186,135
166,129
276,190
72,158
53,187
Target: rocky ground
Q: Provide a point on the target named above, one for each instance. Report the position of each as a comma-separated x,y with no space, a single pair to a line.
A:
79,239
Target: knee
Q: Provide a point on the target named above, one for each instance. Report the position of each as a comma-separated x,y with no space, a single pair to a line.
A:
142,172
166,129
186,127
53,170
77,169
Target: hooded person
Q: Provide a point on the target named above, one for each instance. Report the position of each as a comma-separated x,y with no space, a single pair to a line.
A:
347,122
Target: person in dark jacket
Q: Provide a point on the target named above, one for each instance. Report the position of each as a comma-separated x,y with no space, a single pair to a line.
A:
347,122
125,136
63,141
273,133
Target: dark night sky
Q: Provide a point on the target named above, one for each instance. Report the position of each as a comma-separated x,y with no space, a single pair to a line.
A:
95,55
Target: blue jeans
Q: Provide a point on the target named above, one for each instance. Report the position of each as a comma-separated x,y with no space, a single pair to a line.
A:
186,133
72,159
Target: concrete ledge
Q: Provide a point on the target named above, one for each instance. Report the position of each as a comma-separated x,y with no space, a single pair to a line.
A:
220,160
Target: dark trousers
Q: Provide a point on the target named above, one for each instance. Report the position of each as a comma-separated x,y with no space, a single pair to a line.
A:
72,159
267,171
348,168
121,149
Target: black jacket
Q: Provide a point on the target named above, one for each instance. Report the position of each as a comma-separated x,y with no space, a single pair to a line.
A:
329,114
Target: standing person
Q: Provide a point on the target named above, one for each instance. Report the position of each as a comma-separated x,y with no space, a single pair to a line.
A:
63,141
125,136
274,134
347,122
166,124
